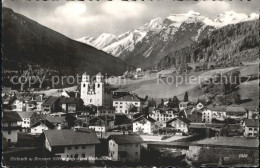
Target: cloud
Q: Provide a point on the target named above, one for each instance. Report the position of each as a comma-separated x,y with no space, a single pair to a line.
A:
122,10
210,7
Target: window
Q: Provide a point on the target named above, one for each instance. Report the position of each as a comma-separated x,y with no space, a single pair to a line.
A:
250,129
69,148
90,100
116,102
136,153
255,129
83,147
9,140
98,85
83,155
121,103
113,144
84,85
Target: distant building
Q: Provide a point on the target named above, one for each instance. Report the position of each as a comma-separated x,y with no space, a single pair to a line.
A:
51,105
183,105
144,124
92,93
125,103
195,116
214,112
180,124
251,127
9,126
164,114
101,123
109,111
39,99
71,104
73,94
41,126
124,148
28,119
236,112
69,144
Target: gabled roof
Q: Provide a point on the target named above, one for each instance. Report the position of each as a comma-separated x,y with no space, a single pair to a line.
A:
217,108
45,122
122,119
11,116
72,94
132,98
67,137
186,121
251,123
150,119
55,119
97,121
236,109
68,100
26,114
126,139
50,101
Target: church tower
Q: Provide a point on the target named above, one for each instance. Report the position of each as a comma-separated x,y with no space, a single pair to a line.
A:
99,90
84,87
92,93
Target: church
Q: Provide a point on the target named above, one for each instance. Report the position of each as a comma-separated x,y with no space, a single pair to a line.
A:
92,92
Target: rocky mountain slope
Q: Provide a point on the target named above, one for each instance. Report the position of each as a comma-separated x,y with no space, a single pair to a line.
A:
148,44
24,41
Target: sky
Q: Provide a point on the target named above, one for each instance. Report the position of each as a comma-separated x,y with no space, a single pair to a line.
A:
77,19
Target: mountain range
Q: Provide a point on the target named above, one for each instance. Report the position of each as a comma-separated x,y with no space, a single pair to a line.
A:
148,44
25,41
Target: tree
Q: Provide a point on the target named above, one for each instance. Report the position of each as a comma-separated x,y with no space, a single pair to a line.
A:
161,104
186,97
236,98
175,102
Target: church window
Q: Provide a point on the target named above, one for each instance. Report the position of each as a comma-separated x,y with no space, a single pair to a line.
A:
84,85
98,85
90,100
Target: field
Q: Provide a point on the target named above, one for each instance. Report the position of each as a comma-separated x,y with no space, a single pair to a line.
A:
160,89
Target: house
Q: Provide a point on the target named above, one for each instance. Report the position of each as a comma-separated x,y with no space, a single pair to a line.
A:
50,105
31,105
164,114
109,111
28,119
40,126
58,121
71,144
6,91
251,127
10,127
21,101
183,105
195,116
39,99
92,92
199,106
101,123
236,112
125,103
125,148
7,101
214,112
179,123
71,104
144,124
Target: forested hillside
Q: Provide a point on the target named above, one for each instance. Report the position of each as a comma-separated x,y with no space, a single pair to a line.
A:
232,43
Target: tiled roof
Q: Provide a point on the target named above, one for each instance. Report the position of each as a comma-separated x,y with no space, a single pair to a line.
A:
11,116
179,118
126,139
45,122
132,98
251,123
66,137
217,108
145,118
68,100
26,114
236,109
56,119
50,101
121,119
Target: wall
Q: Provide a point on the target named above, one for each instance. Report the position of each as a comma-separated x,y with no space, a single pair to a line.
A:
123,106
12,136
39,129
147,127
230,155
